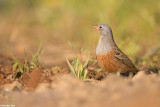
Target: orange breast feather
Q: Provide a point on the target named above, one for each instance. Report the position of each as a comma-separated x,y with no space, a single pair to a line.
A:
110,64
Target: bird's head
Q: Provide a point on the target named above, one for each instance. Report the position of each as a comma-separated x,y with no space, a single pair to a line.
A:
104,30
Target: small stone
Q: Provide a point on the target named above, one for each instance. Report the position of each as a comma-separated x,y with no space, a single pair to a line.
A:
42,87
138,76
10,87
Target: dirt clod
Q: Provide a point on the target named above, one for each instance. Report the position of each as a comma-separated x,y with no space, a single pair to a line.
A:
31,80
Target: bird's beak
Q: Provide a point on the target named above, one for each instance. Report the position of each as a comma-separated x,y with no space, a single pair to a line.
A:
96,27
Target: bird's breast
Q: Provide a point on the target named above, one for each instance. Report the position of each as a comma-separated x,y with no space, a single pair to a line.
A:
103,48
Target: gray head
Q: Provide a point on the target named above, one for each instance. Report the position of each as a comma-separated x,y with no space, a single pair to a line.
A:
104,30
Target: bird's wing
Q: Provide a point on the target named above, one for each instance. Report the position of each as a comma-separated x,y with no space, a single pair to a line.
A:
120,56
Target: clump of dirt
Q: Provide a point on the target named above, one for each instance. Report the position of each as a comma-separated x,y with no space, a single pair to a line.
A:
31,80
5,75
97,75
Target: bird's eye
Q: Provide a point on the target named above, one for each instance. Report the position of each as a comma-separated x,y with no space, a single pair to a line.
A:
100,27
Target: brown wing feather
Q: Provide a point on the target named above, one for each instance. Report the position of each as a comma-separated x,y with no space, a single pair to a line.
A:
120,56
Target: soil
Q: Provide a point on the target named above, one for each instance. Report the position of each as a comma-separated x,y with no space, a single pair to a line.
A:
50,87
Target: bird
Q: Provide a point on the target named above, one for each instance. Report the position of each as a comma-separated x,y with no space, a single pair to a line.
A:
109,57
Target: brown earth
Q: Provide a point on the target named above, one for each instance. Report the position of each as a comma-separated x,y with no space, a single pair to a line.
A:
66,90
59,88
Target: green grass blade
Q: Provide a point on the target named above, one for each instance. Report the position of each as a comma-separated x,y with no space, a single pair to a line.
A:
74,62
42,52
80,70
33,64
85,74
70,66
15,57
15,65
26,57
77,63
20,68
82,48
39,49
71,48
78,73
33,56
86,62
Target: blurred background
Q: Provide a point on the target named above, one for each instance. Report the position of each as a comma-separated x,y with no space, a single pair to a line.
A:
27,23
